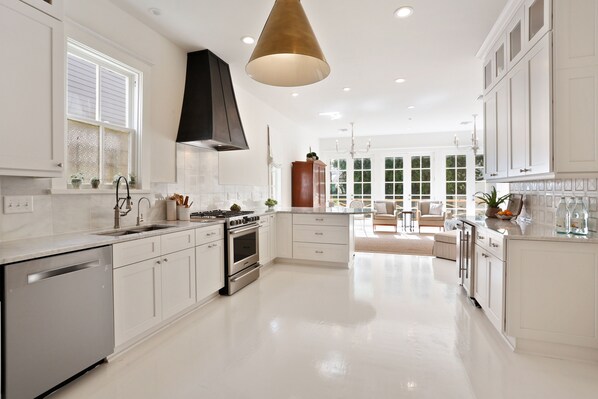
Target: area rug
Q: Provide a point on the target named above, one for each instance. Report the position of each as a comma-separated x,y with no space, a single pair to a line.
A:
395,243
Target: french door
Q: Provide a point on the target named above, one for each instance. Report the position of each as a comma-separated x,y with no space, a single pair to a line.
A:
408,179
421,180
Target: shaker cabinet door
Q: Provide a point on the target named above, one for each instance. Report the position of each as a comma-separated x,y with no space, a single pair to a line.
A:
32,102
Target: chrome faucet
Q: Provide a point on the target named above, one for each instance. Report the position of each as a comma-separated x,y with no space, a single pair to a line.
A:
140,215
118,212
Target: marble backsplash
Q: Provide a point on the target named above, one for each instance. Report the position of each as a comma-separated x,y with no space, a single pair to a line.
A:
542,197
197,175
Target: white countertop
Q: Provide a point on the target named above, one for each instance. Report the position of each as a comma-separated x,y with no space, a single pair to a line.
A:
39,247
333,211
514,230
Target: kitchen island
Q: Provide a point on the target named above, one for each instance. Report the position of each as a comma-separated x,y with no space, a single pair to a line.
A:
538,288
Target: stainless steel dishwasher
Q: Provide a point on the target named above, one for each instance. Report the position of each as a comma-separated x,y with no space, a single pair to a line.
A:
58,319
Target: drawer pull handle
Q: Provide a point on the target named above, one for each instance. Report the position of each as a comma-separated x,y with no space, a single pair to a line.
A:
484,255
319,252
319,220
481,237
494,245
493,174
319,234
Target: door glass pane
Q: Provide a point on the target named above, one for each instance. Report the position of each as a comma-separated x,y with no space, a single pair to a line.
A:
500,60
362,178
536,17
338,180
515,41
393,176
456,184
421,178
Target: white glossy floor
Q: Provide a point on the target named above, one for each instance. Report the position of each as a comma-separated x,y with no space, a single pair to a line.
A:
392,327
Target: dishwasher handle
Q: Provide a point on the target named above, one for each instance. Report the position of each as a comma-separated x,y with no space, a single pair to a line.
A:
36,277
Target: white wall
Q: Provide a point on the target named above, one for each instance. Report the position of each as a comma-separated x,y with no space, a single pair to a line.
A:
106,28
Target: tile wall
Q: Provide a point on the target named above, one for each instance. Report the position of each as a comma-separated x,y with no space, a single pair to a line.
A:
66,213
542,197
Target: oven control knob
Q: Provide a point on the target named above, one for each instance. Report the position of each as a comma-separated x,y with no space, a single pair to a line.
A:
234,222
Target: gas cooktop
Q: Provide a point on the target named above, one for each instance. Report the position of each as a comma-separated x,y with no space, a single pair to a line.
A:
219,214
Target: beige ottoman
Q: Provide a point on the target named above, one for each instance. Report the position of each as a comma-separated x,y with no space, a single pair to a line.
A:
445,244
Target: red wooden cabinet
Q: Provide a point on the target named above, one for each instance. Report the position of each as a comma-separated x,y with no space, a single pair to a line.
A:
309,184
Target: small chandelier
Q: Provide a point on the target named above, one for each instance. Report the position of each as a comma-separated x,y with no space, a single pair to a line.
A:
475,145
287,53
353,150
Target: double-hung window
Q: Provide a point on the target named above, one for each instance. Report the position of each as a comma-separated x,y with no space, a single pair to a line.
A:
102,116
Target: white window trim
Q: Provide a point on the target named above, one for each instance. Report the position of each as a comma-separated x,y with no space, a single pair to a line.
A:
134,119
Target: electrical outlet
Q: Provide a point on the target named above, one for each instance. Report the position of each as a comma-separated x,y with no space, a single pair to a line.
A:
18,204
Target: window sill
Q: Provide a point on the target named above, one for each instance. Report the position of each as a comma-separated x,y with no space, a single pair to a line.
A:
89,191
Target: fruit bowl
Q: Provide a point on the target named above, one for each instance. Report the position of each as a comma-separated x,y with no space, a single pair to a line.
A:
505,217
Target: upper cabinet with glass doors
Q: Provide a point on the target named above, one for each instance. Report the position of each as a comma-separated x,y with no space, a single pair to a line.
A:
551,91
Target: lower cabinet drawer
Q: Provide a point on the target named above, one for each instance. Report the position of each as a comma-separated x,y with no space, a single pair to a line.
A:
134,251
321,220
208,234
321,234
321,252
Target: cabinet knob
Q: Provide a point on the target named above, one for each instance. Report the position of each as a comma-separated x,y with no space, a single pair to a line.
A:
158,262
480,237
165,259
494,245
59,165
493,174
521,170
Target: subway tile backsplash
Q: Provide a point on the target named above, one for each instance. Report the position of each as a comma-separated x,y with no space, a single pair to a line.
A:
542,197
197,177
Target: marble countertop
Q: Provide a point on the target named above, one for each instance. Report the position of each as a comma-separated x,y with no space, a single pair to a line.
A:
39,247
514,230
333,211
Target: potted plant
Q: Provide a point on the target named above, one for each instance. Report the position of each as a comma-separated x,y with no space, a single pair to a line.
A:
270,203
77,179
493,201
132,180
95,182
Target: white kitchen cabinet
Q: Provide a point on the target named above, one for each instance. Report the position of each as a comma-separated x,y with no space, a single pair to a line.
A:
273,241
178,281
134,251
538,20
323,238
284,233
204,235
489,272
209,271
32,102
530,111
54,8
178,241
137,299
264,241
576,85
552,288
496,128
516,44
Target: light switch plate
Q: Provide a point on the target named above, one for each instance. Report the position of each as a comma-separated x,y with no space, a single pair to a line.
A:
18,204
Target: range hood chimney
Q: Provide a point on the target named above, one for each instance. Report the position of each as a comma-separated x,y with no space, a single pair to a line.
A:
210,117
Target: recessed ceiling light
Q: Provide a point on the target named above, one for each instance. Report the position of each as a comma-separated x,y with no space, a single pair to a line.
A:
400,80
295,94
346,89
411,107
155,11
404,12
332,115
248,40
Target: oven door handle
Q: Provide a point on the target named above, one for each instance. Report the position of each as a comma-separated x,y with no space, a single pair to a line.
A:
236,232
246,273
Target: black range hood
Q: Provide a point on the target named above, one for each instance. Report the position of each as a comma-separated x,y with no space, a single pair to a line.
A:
210,117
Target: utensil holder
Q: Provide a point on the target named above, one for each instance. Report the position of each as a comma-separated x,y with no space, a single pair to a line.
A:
184,213
170,210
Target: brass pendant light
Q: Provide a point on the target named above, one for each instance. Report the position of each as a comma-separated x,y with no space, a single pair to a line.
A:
287,52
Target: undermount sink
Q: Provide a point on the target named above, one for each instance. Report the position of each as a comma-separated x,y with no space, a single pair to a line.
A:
134,230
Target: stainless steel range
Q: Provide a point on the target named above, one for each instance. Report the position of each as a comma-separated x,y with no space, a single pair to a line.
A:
242,256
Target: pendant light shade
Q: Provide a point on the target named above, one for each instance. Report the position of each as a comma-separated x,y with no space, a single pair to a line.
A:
287,52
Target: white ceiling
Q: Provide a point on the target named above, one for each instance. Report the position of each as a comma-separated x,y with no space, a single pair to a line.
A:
367,49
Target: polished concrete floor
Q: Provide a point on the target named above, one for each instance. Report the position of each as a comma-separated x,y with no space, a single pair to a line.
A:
392,327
